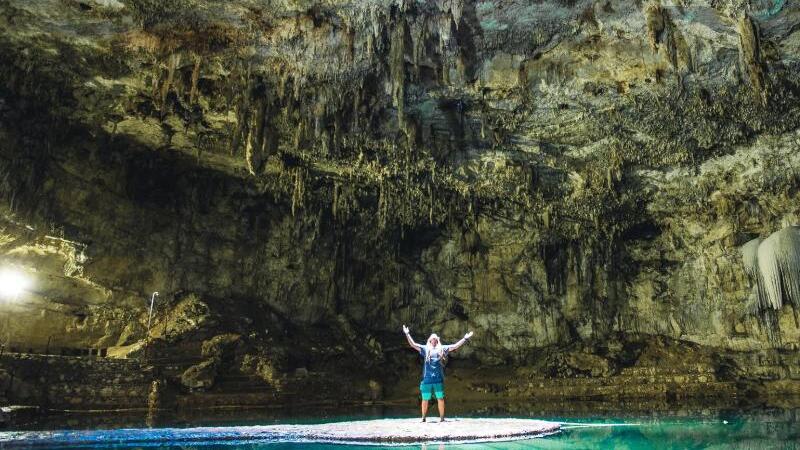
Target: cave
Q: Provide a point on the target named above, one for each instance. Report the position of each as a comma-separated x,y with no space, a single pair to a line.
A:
240,205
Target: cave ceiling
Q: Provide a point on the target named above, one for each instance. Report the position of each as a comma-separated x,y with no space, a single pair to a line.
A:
431,104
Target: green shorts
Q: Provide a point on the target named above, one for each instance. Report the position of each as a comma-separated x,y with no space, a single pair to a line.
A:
429,390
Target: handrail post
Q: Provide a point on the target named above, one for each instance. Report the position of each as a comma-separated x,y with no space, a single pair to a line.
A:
149,321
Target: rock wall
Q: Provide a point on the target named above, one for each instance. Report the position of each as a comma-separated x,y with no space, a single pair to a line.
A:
554,176
70,382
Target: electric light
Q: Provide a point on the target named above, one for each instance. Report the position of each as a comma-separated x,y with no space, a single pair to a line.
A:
12,283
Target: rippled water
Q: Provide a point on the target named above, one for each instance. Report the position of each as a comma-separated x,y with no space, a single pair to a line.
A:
730,429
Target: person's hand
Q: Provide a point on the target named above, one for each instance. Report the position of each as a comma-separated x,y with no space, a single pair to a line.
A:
405,329
468,335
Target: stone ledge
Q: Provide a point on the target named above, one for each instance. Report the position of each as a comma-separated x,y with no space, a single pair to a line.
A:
385,431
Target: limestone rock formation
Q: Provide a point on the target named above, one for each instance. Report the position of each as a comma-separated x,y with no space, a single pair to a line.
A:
309,175
773,266
261,367
220,346
201,375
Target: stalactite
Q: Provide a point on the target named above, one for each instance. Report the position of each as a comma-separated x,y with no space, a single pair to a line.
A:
297,84
447,46
750,258
430,202
337,135
663,34
325,143
370,46
335,201
654,17
457,10
379,211
319,114
779,265
257,148
298,193
375,21
243,100
460,68
195,79
410,128
384,196
155,80
349,44
356,108
419,35
397,71
773,267
347,200
751,58
299,132
283,81
172,64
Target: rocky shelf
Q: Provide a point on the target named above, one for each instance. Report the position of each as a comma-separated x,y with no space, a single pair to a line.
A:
385,431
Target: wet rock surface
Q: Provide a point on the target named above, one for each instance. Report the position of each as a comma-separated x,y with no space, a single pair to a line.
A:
574,181
386,431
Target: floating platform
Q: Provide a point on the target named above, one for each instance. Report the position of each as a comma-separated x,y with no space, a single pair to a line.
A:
384,431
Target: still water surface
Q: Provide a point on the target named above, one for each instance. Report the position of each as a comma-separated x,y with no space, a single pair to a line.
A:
754,428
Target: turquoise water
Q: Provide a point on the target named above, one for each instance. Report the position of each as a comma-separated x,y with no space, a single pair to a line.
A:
752,429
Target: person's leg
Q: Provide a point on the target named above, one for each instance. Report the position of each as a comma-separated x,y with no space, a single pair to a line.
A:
438,390
427,393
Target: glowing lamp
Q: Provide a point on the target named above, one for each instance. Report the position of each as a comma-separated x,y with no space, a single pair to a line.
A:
12,283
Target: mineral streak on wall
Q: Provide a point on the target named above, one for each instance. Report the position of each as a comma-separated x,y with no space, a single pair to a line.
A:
572,180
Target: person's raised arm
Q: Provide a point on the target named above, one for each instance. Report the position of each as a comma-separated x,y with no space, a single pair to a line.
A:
411,342
457,345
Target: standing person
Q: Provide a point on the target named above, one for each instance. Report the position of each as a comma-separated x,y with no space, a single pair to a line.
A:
434,355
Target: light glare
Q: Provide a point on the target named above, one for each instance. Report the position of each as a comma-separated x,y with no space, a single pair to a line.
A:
12,283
